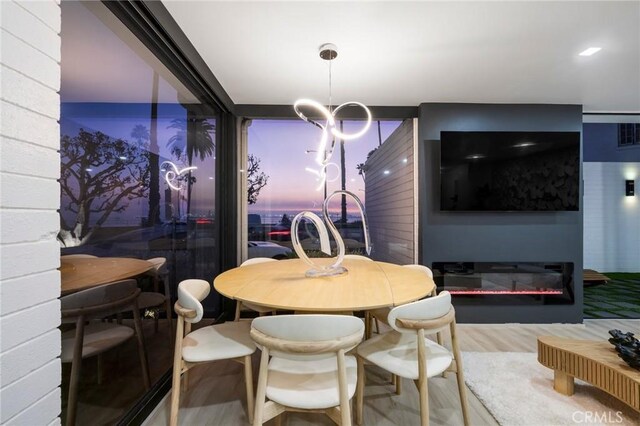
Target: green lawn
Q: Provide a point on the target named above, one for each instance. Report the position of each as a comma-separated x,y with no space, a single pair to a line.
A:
618,298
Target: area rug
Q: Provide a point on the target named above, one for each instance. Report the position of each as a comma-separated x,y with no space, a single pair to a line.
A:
517,390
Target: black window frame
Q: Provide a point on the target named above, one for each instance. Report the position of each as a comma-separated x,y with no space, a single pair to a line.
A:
154,26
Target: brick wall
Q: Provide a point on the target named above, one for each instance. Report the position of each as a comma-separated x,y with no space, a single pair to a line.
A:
29,200
611,220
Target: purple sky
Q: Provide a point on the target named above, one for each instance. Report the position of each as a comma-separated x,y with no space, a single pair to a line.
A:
281,145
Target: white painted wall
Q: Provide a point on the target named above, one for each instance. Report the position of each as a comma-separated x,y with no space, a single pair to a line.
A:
611,220
390,197
29,199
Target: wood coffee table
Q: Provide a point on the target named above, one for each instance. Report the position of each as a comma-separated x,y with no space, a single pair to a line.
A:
594,362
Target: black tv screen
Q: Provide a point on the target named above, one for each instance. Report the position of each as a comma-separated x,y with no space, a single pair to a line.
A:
509,171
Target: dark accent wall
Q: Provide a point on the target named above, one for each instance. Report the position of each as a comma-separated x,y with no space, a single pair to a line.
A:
600,145
497,236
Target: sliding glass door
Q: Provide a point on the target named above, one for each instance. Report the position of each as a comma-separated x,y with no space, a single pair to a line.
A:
138,178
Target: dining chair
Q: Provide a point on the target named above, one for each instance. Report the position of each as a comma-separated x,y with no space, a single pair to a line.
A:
226,341
262,310
304,365
380,315
406,352
93,338
156,298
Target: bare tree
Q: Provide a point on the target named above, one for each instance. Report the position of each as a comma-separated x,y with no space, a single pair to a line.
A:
256,180
99,175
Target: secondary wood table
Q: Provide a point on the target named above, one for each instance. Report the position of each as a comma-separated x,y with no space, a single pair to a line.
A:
283,285
82,273
594,362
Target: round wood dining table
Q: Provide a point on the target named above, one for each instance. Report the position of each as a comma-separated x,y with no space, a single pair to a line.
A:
80,273
283,285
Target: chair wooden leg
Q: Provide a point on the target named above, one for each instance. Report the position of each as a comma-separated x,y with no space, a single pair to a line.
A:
423,388
248,381
345,408
170,321
377,325
398,385
367,325
186,374
142,353
360,391
440,340
462,390
262,387
238,308
99,367
76,366
177,371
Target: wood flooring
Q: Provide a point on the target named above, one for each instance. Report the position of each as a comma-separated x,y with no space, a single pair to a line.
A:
216,391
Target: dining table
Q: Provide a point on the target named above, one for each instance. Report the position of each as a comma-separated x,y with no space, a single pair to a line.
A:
365,286
81,273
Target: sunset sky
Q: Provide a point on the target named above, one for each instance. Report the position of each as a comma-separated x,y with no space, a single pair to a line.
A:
281,146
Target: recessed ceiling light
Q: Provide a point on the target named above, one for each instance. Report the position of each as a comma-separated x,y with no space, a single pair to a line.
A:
524,145
386,172
590,51
475,156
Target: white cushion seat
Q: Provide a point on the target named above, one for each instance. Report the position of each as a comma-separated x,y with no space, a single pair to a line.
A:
98,338
398,353
216,342
308,384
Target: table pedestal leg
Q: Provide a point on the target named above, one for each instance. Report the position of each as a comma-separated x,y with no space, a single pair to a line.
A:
562,382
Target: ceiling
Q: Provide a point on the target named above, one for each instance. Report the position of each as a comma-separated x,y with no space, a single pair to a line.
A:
405,53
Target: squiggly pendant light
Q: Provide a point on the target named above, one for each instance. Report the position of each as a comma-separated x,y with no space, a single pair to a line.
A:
323,159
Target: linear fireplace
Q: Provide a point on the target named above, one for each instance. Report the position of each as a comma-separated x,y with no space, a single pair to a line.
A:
506,283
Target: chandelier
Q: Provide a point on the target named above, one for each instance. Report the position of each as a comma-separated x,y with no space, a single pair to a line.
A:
328,52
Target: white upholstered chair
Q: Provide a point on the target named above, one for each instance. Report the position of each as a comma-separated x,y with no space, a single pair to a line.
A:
250,306
93,338
406,352
229,340
380,315
304,366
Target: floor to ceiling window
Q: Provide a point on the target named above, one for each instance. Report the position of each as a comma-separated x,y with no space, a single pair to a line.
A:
137,181
282,181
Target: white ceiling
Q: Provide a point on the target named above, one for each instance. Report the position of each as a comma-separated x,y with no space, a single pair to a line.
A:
406,53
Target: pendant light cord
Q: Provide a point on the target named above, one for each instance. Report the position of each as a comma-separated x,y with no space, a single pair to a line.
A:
331,60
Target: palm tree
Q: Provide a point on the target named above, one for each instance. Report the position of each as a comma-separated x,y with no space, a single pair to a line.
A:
141,134
199,142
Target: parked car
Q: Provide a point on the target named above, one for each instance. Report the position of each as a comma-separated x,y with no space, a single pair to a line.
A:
267,249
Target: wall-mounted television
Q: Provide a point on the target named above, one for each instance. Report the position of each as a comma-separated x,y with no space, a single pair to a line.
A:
509,171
